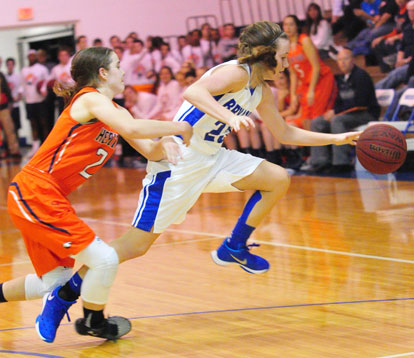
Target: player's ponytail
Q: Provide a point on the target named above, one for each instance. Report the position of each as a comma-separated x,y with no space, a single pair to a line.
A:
85,71
258,45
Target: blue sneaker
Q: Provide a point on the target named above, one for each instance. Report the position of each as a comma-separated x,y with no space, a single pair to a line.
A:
224,256
54,308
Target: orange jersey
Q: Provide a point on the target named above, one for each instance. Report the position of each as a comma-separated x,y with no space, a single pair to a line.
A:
73,151
302,66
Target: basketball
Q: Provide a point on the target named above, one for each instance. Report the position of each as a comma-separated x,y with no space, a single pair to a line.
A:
381,149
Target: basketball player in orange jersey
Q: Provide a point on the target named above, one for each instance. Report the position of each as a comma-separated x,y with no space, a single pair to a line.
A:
80,143
311,80
215,104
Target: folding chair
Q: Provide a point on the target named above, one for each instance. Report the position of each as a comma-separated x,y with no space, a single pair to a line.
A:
385,97
407,99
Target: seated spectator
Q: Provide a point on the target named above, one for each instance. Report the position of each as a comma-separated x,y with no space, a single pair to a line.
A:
320,32
190,77
383,24
192,52
168,96
167,58
355,104
200,72
215,35
115,41
139,104
227,45
97,42
344,19
208,47
178,53
386,47
404,55
153,47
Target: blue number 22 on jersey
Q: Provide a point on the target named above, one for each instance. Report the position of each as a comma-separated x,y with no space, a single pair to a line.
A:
216,135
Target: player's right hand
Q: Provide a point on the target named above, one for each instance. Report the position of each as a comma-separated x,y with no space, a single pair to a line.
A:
236,122
186,132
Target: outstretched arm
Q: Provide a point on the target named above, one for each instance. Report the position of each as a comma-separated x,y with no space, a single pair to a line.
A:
227,79
96,105
287,134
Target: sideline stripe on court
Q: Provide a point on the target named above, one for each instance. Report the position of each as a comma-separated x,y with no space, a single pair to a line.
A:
244,310
211,236
308,248
399,355
384,258
31,354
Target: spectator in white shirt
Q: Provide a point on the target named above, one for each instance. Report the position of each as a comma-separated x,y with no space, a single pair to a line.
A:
33,77
136,64
81,43
192,52
61,74
115,41
168,96
320,32
208,47
140,104
167,59
227,46
14,81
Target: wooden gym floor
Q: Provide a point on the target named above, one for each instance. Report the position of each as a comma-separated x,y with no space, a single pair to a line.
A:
340,284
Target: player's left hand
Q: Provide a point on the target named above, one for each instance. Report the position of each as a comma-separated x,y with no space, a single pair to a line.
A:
236,122
347,138
171,150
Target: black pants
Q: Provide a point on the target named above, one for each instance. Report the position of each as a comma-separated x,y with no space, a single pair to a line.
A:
37,115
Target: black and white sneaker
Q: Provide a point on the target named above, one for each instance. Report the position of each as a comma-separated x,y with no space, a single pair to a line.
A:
113,328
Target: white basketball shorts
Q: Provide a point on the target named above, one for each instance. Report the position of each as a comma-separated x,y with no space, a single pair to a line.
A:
169,191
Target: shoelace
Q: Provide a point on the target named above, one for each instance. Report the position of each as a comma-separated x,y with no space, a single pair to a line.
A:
248,247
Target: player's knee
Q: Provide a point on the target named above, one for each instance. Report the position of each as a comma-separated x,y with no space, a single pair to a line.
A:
283,180
36,287
274,179
108,266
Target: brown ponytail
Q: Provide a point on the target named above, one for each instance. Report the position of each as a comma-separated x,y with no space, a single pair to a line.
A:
85,71
258,45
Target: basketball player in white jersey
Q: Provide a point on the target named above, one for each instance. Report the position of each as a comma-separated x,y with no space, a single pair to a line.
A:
215,104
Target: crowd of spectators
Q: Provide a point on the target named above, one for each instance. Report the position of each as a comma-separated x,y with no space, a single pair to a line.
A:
309,95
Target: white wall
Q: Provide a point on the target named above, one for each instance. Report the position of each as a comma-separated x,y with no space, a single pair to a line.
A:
103,18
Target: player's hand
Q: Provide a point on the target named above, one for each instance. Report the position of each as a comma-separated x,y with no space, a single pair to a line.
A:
347,138
236,122
310,97
171,150
186,132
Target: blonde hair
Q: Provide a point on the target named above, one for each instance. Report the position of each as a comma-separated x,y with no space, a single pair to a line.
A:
258,45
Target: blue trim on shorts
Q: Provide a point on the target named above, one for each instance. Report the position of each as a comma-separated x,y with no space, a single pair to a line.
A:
145,189
32,212
151,202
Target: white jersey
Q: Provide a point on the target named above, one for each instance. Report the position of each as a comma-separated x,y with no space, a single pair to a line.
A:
15,83
208,132
32,76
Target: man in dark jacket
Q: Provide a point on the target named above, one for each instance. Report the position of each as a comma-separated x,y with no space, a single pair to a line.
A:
355,104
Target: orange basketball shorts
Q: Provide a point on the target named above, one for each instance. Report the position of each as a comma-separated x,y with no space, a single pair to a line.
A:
48,223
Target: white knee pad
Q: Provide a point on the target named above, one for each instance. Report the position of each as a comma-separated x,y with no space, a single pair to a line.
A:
36,287
102,261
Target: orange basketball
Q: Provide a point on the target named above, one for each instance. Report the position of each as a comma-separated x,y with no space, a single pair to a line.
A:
381,149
